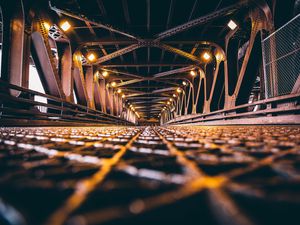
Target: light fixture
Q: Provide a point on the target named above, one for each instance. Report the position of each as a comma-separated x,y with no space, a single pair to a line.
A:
113,84
171,99
174,95
79,57
206,56
123,96
178,90
97,75
105,74
184,83
46,26
193,73
232,25
119,91
219,57
168,103
91,57
65,25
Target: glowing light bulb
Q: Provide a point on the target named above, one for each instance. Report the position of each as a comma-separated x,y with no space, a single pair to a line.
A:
65,26
232,25
91,57
206,56
105,74
46,25
193,73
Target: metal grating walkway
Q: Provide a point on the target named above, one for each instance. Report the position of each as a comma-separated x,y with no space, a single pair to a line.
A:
150,175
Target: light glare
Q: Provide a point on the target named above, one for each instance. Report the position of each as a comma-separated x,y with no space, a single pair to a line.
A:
65,26
232,25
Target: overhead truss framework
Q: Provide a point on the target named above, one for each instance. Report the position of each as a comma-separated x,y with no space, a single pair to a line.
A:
191,64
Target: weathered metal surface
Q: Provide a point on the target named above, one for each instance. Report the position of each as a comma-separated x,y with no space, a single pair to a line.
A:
241,175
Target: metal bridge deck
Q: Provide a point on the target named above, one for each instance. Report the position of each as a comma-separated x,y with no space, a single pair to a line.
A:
150,175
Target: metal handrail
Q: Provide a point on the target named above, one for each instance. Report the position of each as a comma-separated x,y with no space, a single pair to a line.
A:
225,111
63,106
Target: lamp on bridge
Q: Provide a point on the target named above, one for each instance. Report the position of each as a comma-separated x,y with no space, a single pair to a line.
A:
91,57
105,74
65,25
179,90
206,56
232,25
113,84
193,73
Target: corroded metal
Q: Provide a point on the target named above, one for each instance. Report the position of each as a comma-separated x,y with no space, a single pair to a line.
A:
241,175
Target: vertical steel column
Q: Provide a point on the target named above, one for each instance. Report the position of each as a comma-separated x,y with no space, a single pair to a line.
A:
258,23
13,43
67,81
80,87
89,81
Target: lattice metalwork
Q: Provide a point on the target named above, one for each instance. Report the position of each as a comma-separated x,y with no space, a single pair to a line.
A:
150,175
281,55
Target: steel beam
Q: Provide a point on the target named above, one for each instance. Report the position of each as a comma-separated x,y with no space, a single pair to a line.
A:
180,52
145,64
85,19
66,77
80,87
125,73
202,20
129,82
117,53
89,82
13,38
170,72
44,65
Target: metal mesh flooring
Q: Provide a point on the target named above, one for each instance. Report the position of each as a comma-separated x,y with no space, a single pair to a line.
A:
143,175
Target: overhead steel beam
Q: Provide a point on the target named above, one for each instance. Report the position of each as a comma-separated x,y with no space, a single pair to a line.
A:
202,20
179,52
127,41
137,94
129,82
158,100
145,64
190,17
125,73
170,14
170,72
163,90
148,15
153,92
145,87
147,97
117,53
127,18
85,19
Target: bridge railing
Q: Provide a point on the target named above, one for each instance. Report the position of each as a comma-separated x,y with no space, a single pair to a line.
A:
281,60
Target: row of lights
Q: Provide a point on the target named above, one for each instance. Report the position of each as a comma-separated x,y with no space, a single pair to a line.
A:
65,26
206,56
133,109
